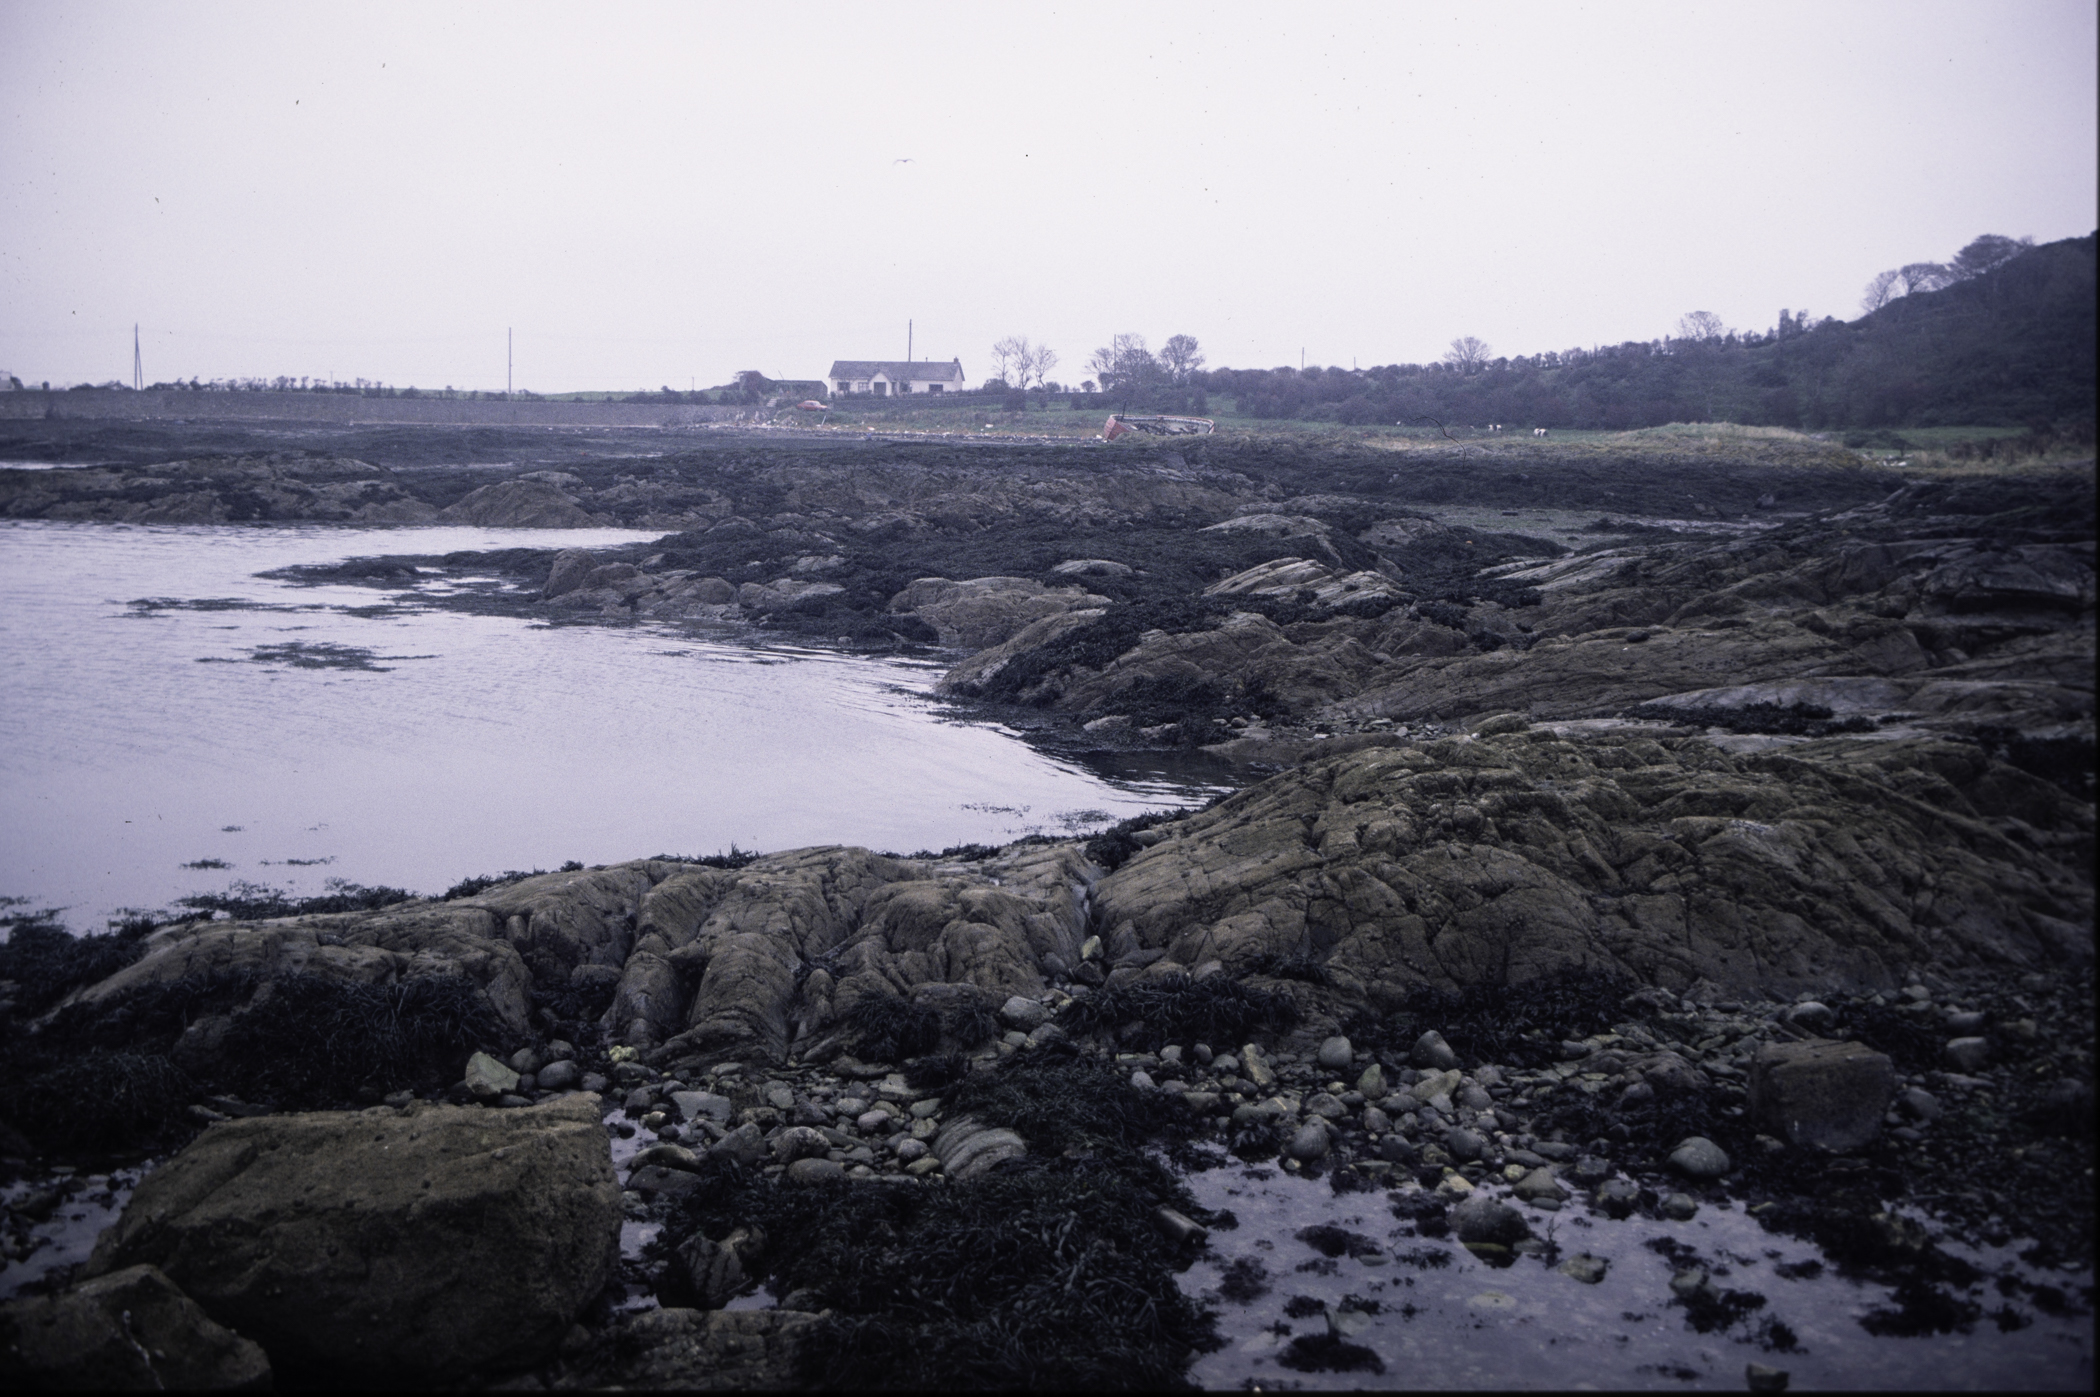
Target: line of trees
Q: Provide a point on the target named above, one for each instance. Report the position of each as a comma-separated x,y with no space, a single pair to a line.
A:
1987,253
1124,369
360,387
2001,334
1019,365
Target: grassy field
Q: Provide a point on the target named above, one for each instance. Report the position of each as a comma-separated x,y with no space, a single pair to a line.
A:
1932,451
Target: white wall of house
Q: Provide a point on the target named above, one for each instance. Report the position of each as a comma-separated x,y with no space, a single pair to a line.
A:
886,382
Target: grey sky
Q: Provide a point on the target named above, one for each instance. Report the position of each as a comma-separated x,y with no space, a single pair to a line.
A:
667,195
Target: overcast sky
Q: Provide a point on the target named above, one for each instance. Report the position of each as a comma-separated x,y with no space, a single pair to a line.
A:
665,195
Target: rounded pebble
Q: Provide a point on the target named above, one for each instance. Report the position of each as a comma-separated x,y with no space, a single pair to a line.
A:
815,1171
1701,1158
1310,1143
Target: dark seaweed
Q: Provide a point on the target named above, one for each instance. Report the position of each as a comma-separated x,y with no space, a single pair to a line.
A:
888,1029
1175,1008
1245,1280
1521,1024
252,902
1329,1353
96,1100
1114,846
1046,1273
1060,1099
1799,719
44,961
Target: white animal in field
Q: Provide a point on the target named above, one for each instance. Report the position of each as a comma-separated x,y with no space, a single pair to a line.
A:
1538,431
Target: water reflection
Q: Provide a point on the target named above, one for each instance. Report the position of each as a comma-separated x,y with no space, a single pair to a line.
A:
1428,1314
237,727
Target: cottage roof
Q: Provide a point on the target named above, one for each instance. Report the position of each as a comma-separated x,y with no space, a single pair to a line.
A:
919,370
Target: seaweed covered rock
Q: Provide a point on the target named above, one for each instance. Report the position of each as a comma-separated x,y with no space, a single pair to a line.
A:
130,1330
1053,1269
701,1351
1502,859
391,946
398,1247
220,489
1921,608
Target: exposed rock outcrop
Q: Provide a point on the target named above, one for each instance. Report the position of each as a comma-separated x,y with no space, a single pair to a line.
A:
986,611
1939,608
217,490
1499,859
521,504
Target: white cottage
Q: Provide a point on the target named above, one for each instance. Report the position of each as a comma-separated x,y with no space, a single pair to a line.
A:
884,378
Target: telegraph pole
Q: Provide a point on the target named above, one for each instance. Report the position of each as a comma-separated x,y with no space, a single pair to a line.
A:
907,341
510,360
138,365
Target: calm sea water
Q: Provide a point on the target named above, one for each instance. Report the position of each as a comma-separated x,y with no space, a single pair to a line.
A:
166,707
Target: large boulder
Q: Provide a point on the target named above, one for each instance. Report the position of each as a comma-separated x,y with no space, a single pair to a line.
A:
571,567
984,611
1821,1092
377,1246
979,669
128,1331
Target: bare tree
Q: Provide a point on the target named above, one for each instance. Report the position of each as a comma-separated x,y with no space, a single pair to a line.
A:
1180,357
1701,325
1010,360
1881,290
1036,363
1467,353
1923,276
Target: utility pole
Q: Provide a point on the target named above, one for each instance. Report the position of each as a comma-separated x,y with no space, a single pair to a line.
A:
510,360
907,341
138,365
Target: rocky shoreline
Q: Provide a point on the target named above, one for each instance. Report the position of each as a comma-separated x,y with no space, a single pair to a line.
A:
805,1041
744,1175
1742,864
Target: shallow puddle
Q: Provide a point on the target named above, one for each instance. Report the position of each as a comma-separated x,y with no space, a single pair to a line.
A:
87,1204
1426,1312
